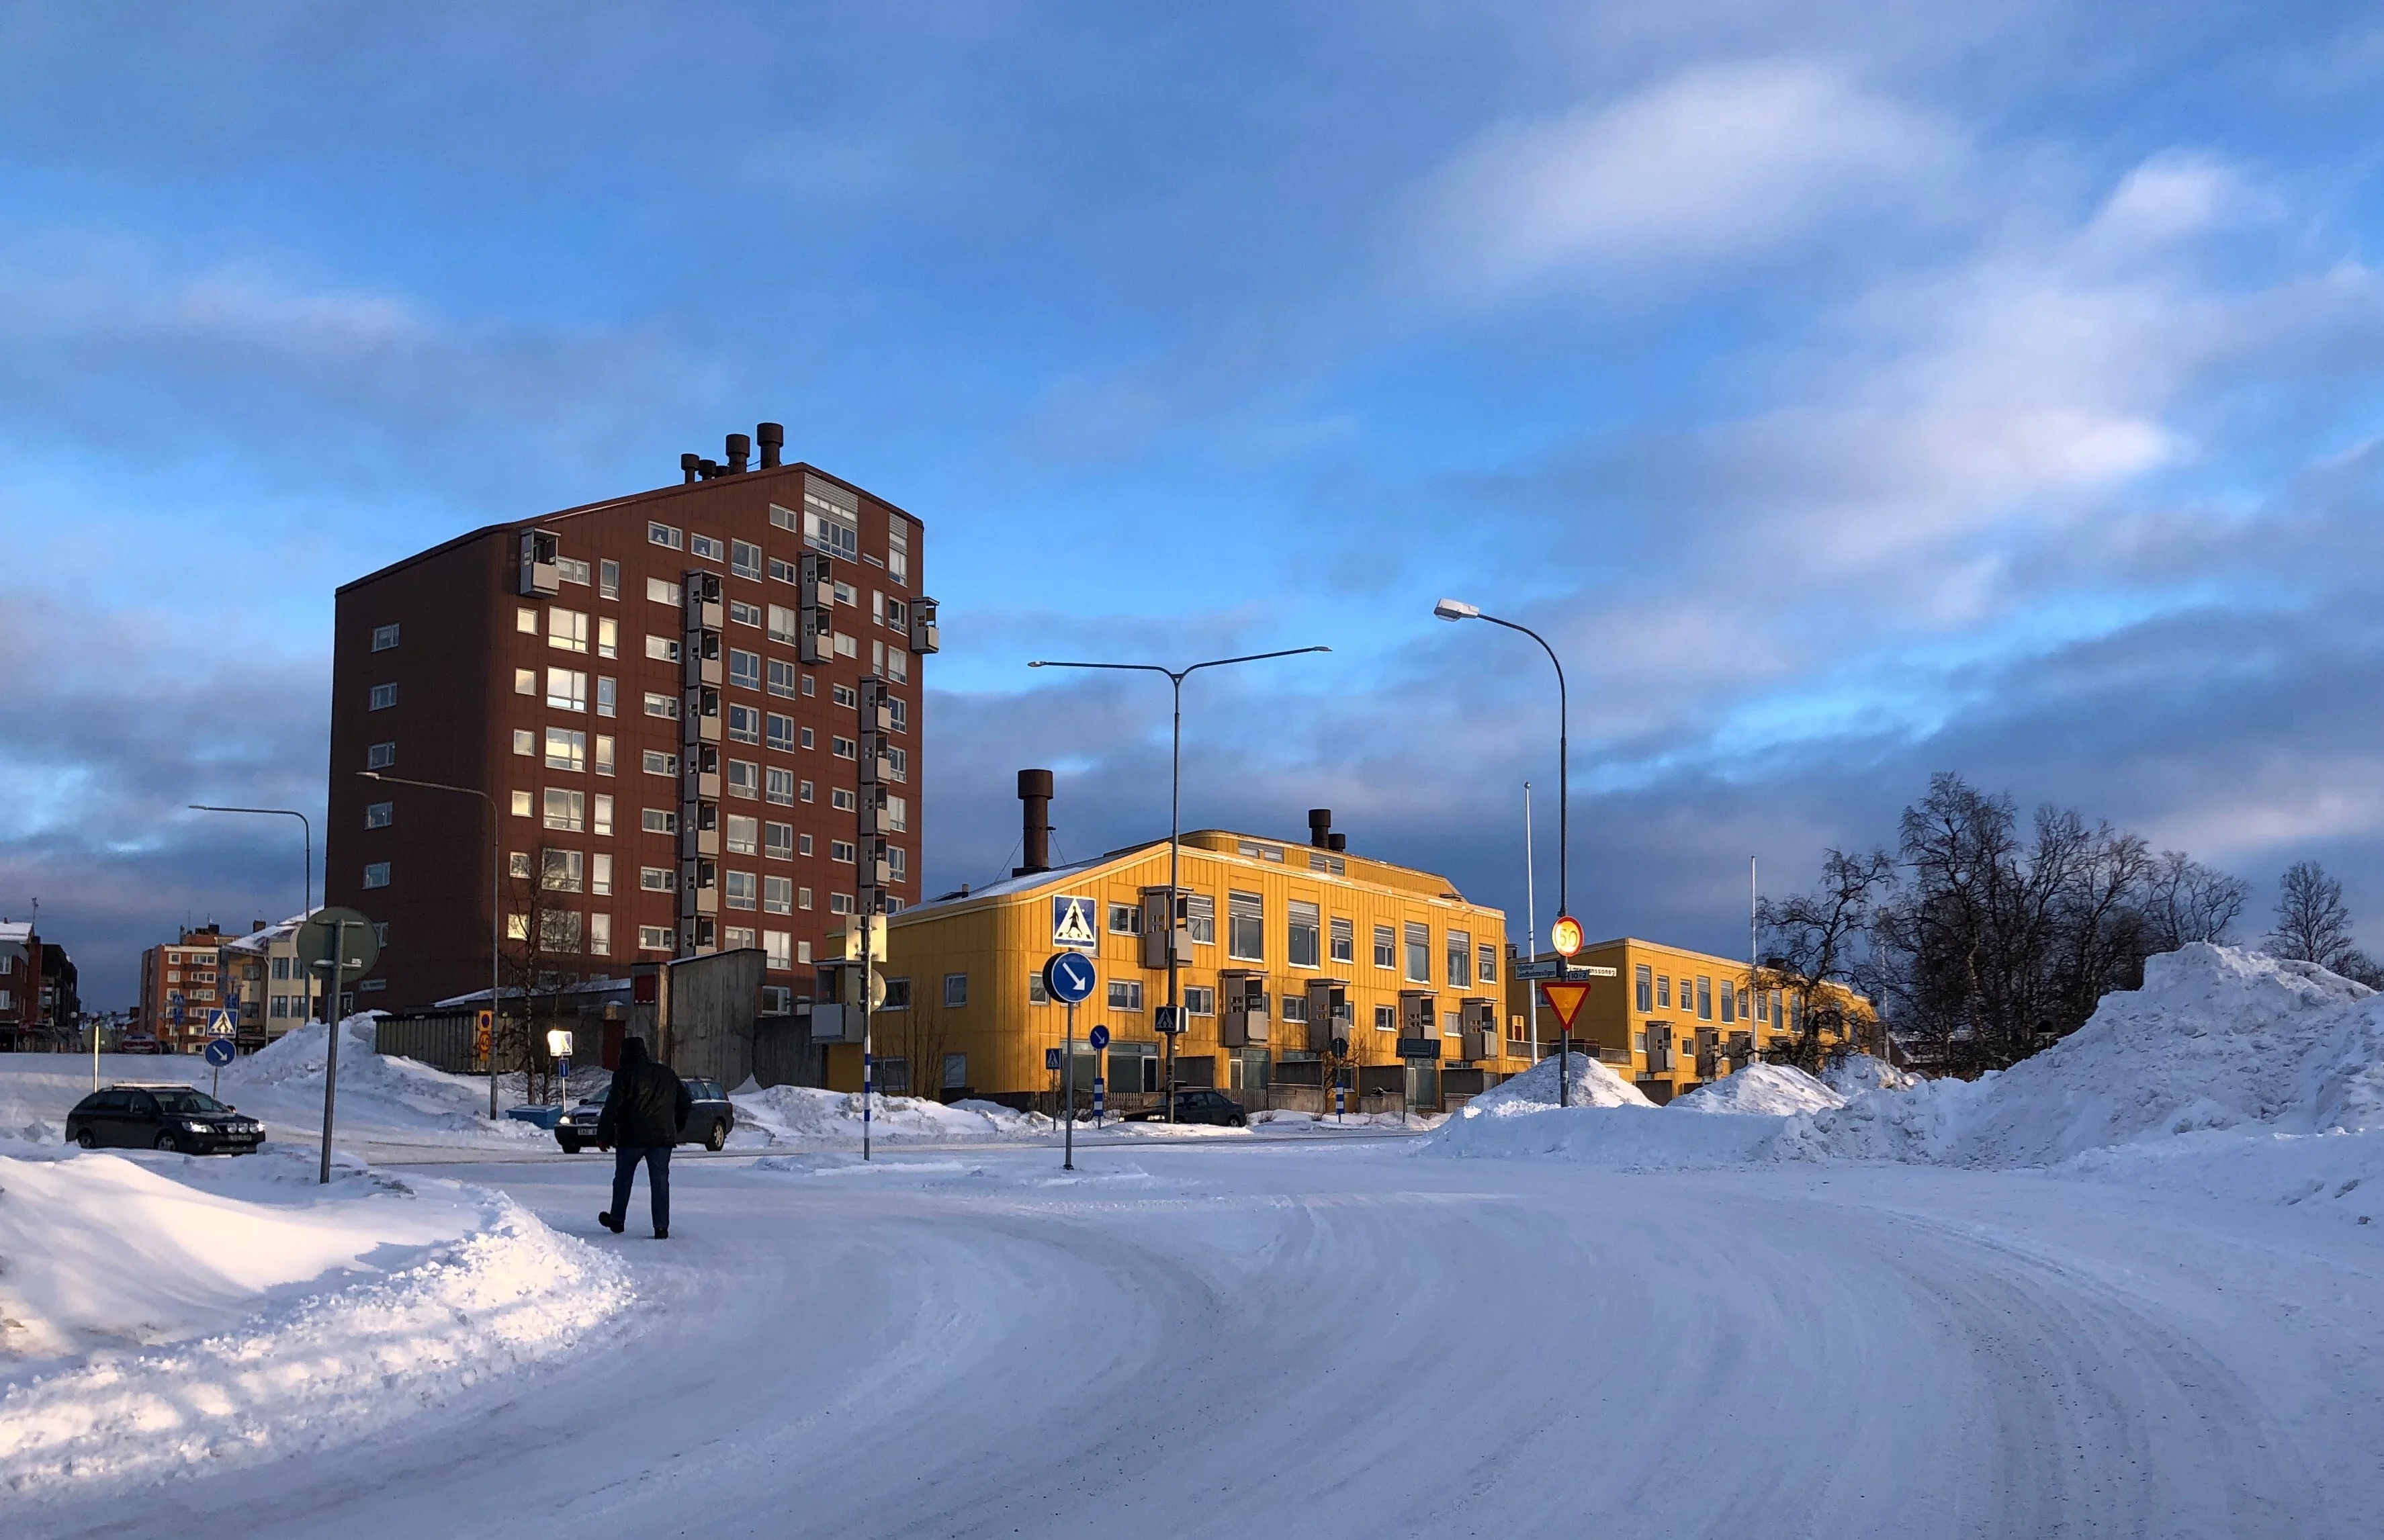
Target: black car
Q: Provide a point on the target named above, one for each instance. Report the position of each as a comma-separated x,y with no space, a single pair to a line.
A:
161,1117
708,1122
1199,1107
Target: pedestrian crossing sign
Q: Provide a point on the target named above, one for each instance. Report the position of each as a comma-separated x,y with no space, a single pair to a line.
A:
1072,923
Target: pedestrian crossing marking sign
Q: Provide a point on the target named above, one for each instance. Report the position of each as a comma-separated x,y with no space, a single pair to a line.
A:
1072,923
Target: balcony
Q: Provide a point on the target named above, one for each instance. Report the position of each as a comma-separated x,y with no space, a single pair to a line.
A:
694,844
699,672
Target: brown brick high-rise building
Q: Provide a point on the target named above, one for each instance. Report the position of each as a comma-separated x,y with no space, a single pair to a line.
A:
661,694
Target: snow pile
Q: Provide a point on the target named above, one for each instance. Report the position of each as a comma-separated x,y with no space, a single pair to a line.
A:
387,1097
2218,1037
1856,1073
154,1325
1763,1090
803,1115
1534,1090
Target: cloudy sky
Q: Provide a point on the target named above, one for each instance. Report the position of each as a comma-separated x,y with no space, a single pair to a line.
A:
1847,391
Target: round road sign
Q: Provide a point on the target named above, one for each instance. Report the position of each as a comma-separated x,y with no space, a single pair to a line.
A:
1565,935
1069,976
219,1051
1100,1038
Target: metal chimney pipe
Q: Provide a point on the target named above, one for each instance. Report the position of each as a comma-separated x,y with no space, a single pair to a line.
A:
1035,790
739,449
1340,842
689,465
1319,827
772,436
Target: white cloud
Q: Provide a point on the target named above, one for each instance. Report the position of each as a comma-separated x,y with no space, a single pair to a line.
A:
1720,161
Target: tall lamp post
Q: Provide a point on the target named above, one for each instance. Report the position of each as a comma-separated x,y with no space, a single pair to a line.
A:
1457,609
305,873
496,902
1175,678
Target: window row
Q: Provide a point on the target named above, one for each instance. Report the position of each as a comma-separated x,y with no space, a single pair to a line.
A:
1654,992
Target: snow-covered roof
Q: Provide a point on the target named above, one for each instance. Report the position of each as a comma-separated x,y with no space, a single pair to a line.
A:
258,941
19,931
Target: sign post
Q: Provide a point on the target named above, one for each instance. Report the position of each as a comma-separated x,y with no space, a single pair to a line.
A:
219,1054
342,944
1565,936
1068,976
1564,997
558,1048
1099,1039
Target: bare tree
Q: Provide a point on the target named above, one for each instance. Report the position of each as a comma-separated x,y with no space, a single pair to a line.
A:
2186,901
2313,924
1813,940
543,934
921,1034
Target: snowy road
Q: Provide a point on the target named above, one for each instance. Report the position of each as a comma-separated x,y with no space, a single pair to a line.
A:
1358,1341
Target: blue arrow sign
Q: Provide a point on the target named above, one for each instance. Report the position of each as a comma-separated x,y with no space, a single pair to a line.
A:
219,1051
1069,975
1099,1039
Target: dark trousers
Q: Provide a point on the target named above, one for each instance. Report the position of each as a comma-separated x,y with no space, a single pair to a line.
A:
624,1175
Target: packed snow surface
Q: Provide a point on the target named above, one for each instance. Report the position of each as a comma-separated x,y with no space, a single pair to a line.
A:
1766,1090
773,1115
162,1313
1592,1085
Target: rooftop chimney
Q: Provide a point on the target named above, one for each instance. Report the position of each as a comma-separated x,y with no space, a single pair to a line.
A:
707,469
1035,790
740,448
1340,842
772,436
689,465
1319,827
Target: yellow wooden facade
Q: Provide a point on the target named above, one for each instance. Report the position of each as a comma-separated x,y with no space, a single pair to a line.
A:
963,970
1667,1019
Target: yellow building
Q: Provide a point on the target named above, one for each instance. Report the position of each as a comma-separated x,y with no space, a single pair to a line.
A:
1671,1019
1284,947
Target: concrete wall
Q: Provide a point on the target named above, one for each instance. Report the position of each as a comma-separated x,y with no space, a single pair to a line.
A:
708,1009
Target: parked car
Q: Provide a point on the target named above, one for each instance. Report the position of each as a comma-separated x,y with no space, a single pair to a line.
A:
139,1042
1199,1107
708,1122
176,1117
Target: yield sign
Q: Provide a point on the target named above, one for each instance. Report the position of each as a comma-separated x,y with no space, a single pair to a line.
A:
1564,997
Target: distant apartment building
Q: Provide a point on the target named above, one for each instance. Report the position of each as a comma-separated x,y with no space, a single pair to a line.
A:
273,981
39,1005
182,982
660,695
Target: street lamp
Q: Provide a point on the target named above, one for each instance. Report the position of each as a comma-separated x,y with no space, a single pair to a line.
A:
1175,678
1457,609
496,903
305,872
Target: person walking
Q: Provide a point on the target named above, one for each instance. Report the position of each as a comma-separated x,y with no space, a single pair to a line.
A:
643,1115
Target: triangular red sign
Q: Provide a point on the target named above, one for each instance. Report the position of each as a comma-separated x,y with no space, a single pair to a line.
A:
1564,997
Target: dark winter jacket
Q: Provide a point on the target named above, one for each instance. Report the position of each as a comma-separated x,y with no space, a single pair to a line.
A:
648,1104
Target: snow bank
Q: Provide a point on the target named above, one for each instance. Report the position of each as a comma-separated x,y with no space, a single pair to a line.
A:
163,1314
801,1115
1592,1085
381,1096
2218,1037
1856,1073
1646,1138
1763,1090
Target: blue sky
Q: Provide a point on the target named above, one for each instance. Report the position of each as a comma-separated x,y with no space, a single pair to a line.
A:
1850,392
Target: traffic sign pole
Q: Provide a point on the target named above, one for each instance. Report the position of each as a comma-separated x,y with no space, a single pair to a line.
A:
1068,1078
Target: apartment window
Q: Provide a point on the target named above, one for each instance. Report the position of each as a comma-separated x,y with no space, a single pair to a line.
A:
955,991
663,535
897,614
566,749
845,696
525,742
526,620
839,903
376,874
897,815
1486,965
608,692
566,630
1762,1005
567,690
703,547
804,738
778,841
842,748
897,763
810,686
525,805
840,850
1729,1003
744,778
744,889
898,550
781,788
657,938
742,614
744,725
608,579
599,935
658,820
379,815
899,712
1460,947
567,810
782,622
383,697
898,866
804,899
1705,998
600,875
743,835
1200,999
803,844
660,763
662,590
1345,940
1303,925
1385,947
562,870
782,677
745,669
1126,919
608,638
558,930
782,733
783,571
517,864
1385,1019
745,559
571,569
806,793
1664,992
1125,994
661,648
1419,953
778,956
658,704
1643,987
778,895
384,638
658,880
381,756
603,755
1245,926
842,800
